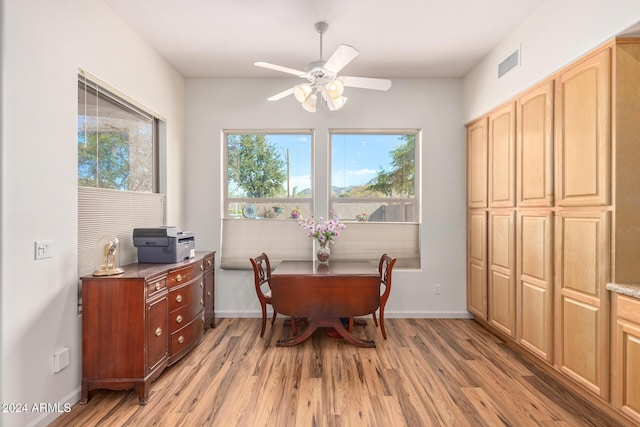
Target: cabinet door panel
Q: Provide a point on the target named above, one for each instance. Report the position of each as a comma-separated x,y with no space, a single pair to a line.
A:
580,356
535,147
477,264
501,286
626,356
157,332
502,157
535,283
584,132
584,240
582,271
477,164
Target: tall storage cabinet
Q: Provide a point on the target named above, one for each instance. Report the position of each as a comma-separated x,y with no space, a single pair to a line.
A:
574,222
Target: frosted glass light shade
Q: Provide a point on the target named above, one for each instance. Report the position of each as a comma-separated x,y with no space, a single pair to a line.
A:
310,103
335,89
302,92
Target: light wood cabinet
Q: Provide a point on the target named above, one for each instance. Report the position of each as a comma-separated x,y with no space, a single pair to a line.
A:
576,179
626,356
583,132
501,284
477,263
582,271
502,157
477,164
535,282
535,147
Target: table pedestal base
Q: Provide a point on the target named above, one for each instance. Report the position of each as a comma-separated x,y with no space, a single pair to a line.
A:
318,323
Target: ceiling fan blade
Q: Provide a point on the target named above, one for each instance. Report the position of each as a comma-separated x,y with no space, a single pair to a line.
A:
340,58
279,68
281,95
366,83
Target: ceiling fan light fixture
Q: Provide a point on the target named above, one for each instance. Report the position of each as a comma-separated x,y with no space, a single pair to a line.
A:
335,89
310,103
336,103
302,92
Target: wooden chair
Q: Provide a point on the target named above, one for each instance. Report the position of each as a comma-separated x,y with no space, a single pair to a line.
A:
262,276
385,268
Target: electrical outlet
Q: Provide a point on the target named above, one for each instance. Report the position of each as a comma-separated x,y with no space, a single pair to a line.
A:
436,289
60,359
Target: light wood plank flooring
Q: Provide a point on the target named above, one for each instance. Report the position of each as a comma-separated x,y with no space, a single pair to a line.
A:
430,372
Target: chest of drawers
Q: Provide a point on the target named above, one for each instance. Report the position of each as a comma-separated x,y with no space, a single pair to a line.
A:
137,323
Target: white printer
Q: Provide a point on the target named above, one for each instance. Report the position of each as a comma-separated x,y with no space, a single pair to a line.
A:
163,245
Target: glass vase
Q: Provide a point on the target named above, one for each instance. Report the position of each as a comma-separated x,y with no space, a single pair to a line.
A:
323,253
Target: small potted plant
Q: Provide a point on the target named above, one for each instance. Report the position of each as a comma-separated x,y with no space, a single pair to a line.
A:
362,217
295,213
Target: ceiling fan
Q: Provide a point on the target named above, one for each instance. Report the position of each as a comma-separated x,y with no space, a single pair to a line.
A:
323,78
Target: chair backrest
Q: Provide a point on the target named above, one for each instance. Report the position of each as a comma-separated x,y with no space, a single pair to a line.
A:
385,268
261,272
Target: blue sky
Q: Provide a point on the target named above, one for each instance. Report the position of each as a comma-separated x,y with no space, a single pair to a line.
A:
355,159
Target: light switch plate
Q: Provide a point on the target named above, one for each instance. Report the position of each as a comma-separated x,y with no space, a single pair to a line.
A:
44,249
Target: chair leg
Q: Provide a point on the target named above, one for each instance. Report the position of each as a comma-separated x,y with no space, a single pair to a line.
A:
273,319
294,327
264,320
384,333
375,320
350,324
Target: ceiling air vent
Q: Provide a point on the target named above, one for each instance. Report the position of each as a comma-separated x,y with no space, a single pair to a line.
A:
506,65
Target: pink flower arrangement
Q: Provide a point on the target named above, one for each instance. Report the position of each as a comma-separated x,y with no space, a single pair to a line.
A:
323,232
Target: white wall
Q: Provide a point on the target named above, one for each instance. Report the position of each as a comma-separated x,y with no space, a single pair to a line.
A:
554,35
43,44
432,105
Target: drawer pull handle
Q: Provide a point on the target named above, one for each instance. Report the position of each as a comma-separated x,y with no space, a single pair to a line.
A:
208,294
179,319
201,285
209,262
158,332
180,339
201,267
158,286
178,298
201,301
179,278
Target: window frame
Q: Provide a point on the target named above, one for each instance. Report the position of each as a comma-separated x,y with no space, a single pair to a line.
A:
126,103
416,199
274,200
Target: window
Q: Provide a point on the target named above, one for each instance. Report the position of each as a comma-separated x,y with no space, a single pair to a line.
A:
372,185
117,170
268,174
373,176
117,146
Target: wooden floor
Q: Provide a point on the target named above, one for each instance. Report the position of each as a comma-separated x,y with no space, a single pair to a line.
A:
431,372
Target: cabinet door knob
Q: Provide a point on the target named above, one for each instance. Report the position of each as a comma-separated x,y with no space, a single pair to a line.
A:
209,262
201,302
179,318
158,332
180,339
201,267
179,278
208,294
201,285
178,298
158,286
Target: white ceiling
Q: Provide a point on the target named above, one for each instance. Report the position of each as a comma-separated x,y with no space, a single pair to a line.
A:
396,38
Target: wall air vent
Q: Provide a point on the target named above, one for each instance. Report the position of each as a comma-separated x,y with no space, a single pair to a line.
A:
509,63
